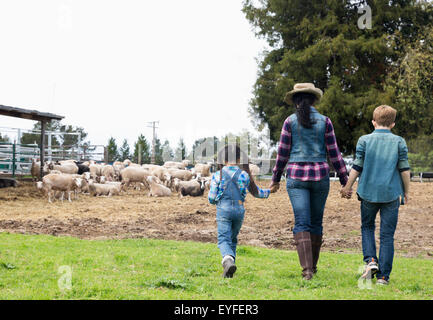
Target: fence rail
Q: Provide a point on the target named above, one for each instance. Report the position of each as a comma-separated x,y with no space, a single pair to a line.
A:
16,159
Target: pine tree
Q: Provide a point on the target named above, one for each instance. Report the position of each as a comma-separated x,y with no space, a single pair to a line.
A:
410,86
320,41
158,152
124,152
145,150
113,154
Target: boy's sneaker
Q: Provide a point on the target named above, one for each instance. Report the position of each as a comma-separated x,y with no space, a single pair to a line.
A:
370,269
229,267
382,281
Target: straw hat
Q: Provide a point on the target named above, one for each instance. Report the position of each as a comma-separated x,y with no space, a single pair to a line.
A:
303,87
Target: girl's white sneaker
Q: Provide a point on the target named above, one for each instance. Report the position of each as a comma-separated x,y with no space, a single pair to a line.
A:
382,282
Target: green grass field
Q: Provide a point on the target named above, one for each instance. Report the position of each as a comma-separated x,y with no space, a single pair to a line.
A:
31,268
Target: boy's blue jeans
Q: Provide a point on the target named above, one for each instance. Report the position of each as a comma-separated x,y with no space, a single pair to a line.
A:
388,224
308,200
230,215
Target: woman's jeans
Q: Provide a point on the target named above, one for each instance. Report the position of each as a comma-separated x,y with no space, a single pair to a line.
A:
388,224
308,200
230,215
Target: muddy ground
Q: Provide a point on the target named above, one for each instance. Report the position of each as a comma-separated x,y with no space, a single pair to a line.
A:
268,223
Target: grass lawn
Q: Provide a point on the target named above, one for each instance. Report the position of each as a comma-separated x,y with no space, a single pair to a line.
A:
31,267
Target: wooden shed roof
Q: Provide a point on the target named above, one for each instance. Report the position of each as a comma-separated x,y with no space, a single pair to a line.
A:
28,114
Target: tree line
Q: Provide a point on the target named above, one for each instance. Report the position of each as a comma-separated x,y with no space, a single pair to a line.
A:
358,69
203,149
142,151
258,145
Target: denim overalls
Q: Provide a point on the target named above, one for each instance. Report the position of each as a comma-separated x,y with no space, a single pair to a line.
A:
230,214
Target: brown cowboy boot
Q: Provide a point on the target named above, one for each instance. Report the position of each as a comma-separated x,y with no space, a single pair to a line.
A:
316,244
303,245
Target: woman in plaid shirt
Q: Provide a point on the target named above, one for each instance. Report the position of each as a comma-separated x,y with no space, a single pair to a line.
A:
307,138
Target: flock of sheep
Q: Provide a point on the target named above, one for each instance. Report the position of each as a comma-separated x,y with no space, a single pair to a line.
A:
74,177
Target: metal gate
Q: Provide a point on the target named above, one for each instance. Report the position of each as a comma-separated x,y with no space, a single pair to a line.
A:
16,159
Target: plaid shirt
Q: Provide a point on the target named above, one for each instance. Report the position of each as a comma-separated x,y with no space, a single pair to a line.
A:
309,171
216,189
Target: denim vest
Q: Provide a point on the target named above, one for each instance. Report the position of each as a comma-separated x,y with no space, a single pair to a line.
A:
231,189
308,145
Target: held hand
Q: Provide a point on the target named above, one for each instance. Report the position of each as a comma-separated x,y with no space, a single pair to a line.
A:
274,186
406,198
346,193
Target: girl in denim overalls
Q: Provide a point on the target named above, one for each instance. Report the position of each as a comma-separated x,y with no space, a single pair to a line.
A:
228,189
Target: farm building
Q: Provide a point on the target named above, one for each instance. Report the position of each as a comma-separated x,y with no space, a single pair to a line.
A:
43,117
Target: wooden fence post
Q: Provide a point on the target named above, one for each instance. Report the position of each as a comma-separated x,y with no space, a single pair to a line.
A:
42,150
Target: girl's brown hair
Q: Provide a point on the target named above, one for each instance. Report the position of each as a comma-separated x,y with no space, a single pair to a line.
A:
232,152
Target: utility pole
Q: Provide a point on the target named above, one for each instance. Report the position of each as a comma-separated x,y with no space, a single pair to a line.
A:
152,124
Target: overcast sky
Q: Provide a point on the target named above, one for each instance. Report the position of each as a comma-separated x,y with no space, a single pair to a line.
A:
111,66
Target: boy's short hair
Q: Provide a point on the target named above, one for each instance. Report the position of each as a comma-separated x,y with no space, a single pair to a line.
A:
384,115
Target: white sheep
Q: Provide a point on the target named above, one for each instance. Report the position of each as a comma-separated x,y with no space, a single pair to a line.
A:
65,167
133,174
107,189
108,172
202,170
157,190
59,182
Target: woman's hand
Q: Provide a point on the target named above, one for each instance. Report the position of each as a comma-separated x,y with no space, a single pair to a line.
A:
346,192
274,186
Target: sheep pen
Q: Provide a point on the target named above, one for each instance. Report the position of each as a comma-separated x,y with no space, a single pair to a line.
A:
268,223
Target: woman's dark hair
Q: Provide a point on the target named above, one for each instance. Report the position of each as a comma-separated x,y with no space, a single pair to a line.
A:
232,152
303,101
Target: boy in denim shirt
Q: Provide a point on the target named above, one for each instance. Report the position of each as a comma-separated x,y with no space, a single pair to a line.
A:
383,167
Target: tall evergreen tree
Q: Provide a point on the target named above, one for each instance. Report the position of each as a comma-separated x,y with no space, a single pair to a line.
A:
145,150
410,87
112,151
158,152
320,41
124,151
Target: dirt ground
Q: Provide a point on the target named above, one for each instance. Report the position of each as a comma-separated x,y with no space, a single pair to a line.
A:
268,223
